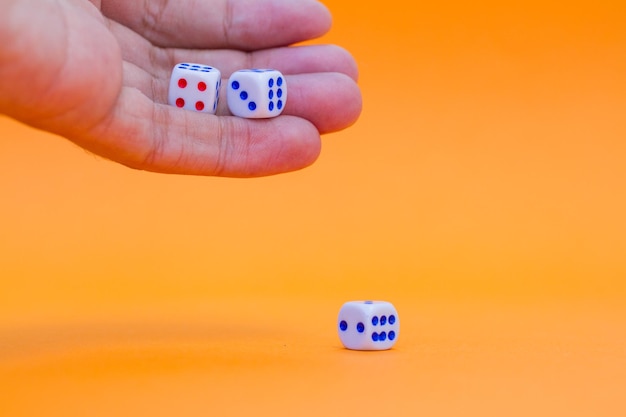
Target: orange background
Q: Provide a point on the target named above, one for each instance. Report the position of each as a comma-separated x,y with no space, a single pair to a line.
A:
482,192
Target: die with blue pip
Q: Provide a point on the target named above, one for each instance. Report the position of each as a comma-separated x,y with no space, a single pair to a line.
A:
256,93
368,325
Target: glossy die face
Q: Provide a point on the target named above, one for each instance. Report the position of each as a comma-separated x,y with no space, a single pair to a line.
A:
195,87
368,325
256,93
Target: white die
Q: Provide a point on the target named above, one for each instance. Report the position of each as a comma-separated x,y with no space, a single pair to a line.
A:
195,87
368,325
256,93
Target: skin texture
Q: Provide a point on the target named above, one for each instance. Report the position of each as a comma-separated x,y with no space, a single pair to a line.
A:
97,73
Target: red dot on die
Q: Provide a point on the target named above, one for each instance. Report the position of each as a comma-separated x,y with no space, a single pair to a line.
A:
182,83
201,86
180,102
199,106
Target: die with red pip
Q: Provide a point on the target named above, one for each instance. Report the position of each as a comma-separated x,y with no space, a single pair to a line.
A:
195,87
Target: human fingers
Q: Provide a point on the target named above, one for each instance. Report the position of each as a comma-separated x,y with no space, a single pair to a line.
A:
160,138
240,24
331,101
159,62
307,59
155,65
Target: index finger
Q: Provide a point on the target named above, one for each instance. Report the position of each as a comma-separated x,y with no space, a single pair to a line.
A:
238,24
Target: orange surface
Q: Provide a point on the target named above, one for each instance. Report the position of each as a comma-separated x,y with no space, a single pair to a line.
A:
482,192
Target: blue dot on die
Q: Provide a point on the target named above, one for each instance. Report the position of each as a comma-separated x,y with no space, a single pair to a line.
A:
279,93
343,325
252,106
374,320
270,83
392,319
235,85
383,320
271,106
270,94
382,336
360,327
391,335
375,337
243,95
279,82
279,104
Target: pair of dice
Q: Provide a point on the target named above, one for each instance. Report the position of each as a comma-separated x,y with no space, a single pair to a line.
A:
368,325
251,93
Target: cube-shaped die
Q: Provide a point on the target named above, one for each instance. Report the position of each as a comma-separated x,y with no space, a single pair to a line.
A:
368,325
256,93
195,87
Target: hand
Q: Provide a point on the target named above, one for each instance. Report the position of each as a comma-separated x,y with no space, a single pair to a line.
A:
98,72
